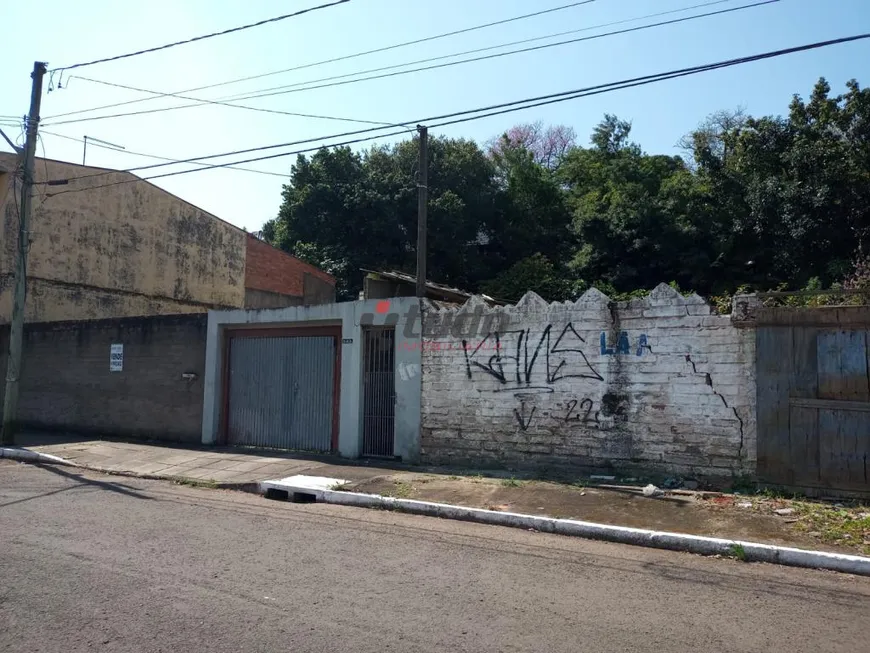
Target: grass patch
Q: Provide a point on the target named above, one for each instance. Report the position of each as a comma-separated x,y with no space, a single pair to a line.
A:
511,482
778,493
835,525
193,482
341,487
401,490
737,552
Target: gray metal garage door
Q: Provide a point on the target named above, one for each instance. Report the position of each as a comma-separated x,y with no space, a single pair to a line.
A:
281,392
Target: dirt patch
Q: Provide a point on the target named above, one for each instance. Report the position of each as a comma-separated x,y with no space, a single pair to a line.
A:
726,516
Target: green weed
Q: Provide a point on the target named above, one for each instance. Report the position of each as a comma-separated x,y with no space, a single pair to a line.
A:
737,552
401,490
194,482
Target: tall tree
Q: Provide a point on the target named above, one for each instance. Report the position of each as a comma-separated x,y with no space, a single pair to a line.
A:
548,145
350,210
793,190
627,211
763,201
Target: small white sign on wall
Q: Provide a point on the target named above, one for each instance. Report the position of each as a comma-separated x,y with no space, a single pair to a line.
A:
116,358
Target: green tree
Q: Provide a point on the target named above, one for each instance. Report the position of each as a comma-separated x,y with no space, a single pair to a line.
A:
533,215
791,201
536,273
628,211
345,210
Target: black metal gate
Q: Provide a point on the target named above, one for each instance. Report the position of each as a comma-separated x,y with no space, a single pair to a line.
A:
379,391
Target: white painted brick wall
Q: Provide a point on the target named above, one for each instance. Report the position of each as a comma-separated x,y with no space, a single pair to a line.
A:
680,400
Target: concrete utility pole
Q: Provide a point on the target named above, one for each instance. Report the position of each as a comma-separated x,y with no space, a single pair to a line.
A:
16,329
422,205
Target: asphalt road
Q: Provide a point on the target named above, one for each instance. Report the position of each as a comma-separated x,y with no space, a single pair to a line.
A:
91,562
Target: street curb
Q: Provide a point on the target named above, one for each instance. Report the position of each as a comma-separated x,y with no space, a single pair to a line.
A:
27,455
30,456
710,546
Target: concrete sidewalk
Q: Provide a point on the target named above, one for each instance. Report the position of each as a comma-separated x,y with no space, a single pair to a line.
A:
226,467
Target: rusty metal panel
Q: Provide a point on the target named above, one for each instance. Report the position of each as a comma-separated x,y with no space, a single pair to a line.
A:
813,403
774,355
379,391
844,439
804,379
842,361
803,466
281,392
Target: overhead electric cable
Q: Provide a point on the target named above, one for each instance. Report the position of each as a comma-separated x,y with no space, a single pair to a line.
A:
344,57
284,90
223,101
201,38
492,110
153,156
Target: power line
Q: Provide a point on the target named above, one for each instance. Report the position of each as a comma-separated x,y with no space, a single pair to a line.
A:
343,58
294,88
276,91
222,103
153,156
391,67
701,68
492,110
203,37
217,165
256,94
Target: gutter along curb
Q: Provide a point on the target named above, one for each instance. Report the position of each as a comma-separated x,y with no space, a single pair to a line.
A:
709,546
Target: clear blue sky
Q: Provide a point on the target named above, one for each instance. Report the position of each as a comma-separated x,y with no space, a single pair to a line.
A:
69,32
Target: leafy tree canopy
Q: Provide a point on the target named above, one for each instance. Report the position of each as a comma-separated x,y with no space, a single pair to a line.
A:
763,202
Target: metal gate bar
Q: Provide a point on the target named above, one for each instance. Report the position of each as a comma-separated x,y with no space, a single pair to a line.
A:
379,391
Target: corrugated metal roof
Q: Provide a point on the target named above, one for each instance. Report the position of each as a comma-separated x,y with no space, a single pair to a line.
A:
434,290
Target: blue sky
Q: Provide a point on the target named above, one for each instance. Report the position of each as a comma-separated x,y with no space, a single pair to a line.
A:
71,32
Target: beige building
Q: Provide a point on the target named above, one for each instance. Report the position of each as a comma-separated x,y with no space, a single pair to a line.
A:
131,248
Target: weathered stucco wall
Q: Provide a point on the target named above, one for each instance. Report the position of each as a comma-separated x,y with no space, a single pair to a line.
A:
656,384
266,299
403,314
124,249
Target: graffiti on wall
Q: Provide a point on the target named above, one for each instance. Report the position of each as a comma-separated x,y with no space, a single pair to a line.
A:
623,345
581,412
529,364
521,360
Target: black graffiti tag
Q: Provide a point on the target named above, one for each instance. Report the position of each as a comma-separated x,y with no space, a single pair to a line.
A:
527,356
521,417
586,405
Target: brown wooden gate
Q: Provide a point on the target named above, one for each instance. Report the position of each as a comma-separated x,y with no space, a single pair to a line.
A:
813,376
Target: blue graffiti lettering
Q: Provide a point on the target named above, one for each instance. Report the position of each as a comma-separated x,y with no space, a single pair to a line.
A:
623,345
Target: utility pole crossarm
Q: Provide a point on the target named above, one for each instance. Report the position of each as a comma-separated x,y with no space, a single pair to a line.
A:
16,329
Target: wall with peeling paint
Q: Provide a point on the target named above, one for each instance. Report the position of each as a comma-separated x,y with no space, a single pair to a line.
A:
123,249
653,384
